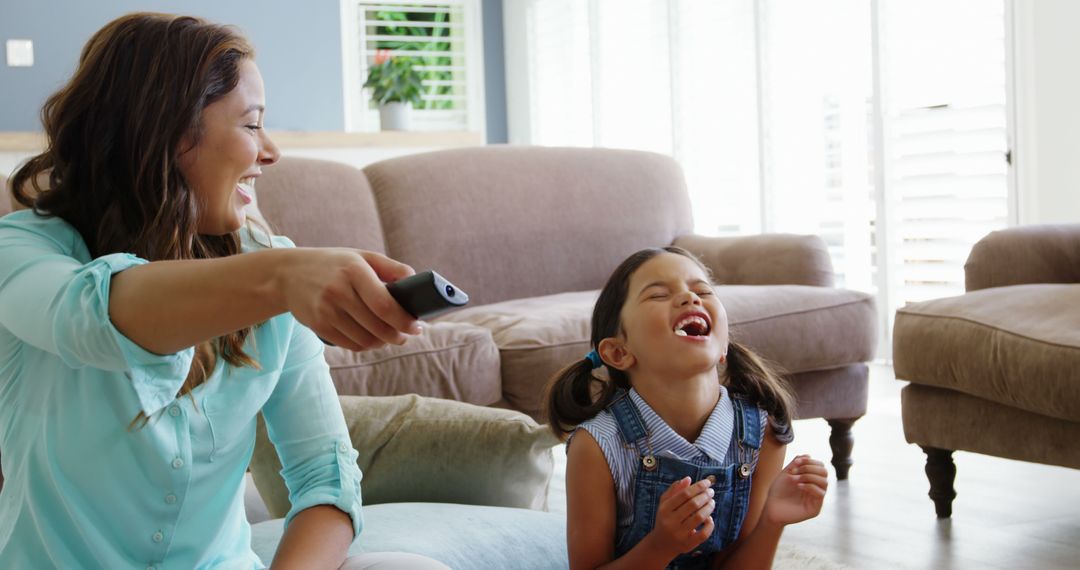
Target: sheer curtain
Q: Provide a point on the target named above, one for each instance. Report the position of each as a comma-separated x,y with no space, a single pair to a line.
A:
878,125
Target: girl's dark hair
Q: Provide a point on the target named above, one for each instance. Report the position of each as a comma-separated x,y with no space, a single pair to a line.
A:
576,394
115,132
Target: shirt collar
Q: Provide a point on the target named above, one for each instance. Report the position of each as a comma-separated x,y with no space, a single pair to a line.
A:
715,437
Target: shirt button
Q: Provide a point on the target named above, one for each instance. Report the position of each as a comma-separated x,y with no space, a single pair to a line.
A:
170,498
177,463
343,447
174,411
158,536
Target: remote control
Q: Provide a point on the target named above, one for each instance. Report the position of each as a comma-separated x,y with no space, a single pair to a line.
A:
424,295
427,294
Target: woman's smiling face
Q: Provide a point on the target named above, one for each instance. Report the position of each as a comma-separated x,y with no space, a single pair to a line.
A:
229,154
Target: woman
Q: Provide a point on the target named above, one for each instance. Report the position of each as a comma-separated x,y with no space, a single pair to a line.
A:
137,346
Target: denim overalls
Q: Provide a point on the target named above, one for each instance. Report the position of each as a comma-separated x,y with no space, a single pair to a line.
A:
656,473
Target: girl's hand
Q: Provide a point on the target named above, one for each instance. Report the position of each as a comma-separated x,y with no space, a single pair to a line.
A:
683,508
797,492
341,295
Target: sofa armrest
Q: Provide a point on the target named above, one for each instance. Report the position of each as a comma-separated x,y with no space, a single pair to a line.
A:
1025,254
766,259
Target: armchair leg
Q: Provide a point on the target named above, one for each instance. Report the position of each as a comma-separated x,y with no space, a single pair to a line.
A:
841,442
941,471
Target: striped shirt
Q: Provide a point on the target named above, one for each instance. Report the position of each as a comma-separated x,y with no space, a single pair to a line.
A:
711,445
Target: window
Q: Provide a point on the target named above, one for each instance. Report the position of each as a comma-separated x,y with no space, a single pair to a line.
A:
879,126
442,37
945,140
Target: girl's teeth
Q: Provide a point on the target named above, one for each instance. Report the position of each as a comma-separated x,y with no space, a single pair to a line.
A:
680,332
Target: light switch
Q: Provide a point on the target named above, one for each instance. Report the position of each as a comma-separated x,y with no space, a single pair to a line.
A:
20,53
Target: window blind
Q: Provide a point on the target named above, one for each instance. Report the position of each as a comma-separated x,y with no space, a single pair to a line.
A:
441,37
878,125
945,116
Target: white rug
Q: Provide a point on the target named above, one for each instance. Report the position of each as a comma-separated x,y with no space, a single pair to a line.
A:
787,557
790,557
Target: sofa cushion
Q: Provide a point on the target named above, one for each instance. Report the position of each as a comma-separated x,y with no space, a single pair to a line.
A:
1016,345
536,337
507,222
802,328
319,203
461,536
449,360
799,327
431,450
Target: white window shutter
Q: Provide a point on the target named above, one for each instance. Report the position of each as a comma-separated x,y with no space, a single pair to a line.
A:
445,39
945,114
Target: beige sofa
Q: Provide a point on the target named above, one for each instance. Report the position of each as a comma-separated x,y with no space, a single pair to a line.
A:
997,370
532,233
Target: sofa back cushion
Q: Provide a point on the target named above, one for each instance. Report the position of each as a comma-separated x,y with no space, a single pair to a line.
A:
318,203
506,222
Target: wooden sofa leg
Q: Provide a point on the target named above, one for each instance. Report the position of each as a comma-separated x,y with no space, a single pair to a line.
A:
941,471
841,442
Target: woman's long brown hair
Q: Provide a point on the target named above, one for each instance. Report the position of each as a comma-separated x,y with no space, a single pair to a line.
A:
576,394
114,134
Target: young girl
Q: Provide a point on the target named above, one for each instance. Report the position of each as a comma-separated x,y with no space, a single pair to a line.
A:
667,465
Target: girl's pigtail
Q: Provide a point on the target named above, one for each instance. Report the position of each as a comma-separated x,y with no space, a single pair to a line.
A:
749,375
574,396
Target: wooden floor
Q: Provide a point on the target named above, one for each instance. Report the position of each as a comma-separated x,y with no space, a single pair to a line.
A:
1008,514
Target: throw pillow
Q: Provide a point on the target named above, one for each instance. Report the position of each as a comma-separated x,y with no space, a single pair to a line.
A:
416,449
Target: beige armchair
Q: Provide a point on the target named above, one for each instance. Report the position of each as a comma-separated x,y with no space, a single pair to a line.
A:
997,370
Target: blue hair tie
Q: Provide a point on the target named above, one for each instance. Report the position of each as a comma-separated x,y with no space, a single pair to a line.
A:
594,358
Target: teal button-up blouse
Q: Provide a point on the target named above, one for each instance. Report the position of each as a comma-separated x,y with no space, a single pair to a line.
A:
81,489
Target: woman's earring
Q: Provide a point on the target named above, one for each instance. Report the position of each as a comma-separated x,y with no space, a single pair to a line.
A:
723,358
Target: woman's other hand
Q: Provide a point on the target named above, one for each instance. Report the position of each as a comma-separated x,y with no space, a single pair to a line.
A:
341,295
797,493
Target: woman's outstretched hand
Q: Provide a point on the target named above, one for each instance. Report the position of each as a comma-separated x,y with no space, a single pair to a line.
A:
341,295
797,492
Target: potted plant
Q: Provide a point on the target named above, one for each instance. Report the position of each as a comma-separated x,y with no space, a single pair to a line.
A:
396,88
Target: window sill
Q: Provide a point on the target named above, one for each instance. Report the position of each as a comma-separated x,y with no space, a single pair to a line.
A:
35,141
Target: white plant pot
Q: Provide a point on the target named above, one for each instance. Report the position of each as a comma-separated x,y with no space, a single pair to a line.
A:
395,116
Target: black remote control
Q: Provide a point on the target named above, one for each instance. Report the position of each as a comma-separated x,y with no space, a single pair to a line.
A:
424,295
427,294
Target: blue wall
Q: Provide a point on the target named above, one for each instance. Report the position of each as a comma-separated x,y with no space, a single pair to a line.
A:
495,72
297,43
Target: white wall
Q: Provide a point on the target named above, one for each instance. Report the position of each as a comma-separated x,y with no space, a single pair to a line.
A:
1047,90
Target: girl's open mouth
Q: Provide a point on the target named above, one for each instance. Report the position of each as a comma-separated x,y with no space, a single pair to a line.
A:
692,325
